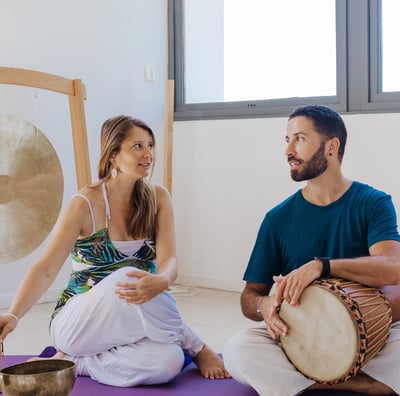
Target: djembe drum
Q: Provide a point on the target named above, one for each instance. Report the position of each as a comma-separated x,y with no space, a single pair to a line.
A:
337,328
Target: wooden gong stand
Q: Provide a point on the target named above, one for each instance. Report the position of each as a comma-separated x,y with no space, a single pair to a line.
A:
75,90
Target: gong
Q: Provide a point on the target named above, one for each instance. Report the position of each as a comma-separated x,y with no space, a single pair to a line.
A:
31,188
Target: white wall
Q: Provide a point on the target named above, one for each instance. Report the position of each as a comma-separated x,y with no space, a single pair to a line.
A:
227,173
105,43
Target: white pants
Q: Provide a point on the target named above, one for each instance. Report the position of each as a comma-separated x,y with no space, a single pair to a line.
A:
254,358
123,344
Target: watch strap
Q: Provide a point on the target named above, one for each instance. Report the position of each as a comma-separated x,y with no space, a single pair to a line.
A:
326,266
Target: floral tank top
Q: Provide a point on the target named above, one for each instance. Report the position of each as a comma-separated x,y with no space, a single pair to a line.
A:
97,257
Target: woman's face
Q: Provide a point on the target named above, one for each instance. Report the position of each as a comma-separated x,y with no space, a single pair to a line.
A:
135,158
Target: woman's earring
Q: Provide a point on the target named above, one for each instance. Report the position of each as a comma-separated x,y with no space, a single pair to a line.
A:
114,172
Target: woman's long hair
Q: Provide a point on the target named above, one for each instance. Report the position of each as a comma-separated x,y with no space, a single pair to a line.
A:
141,218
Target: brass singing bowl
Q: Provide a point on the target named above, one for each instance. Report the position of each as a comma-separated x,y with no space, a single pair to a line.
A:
51,377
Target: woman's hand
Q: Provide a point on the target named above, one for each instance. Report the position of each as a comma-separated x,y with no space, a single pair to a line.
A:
8,322
143,288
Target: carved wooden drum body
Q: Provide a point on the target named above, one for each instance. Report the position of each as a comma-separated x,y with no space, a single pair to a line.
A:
337,328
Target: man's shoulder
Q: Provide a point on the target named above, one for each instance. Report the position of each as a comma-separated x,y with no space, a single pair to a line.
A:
285,205
359,188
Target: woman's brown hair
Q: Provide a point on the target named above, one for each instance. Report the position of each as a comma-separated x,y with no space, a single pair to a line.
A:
141,218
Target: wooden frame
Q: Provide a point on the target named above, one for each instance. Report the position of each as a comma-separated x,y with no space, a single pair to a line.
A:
75,90
168,134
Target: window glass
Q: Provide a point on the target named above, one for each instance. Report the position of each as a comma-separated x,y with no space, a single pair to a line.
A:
390,31
259,49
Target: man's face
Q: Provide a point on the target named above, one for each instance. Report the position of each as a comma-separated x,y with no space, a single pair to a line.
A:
306,149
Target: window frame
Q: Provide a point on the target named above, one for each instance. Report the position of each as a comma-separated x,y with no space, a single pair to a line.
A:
357,64
377,99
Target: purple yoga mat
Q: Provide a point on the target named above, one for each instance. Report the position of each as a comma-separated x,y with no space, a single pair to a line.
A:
188,382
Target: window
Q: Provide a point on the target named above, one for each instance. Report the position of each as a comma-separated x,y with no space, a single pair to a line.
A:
247,63
252,58
390,31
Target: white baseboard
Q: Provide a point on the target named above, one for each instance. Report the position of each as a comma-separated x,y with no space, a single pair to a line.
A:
234,285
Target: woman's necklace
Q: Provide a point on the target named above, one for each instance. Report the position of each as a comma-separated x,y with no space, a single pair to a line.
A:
118,206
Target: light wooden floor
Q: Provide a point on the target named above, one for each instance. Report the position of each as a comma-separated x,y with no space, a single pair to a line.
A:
215,315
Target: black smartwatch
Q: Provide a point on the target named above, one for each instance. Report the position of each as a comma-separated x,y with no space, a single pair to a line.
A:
326,266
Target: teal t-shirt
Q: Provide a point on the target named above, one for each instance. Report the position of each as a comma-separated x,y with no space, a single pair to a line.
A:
295,231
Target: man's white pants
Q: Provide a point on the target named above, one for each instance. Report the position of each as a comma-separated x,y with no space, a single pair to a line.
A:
252,357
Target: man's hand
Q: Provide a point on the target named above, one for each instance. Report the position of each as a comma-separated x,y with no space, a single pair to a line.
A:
291,286
269,311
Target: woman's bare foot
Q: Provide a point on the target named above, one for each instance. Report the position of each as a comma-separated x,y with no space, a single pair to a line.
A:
210,364
57,355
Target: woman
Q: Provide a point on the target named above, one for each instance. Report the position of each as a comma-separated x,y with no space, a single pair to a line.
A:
114,318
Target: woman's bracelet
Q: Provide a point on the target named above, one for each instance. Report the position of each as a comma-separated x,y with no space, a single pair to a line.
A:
14,316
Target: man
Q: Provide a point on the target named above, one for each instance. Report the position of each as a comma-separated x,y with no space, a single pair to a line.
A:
351,223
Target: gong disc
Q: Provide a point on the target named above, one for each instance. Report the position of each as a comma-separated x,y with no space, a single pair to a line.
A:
31,188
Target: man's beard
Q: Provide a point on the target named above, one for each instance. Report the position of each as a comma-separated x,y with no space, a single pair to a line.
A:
311,168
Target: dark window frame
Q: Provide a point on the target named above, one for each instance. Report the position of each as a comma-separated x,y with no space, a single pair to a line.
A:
358,70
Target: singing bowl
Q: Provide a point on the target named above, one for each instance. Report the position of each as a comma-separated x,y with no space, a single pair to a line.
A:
50,377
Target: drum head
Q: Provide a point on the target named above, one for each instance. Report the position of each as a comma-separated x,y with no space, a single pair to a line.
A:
322,341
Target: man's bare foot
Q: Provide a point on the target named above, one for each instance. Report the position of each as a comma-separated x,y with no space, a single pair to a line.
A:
57,355
210,364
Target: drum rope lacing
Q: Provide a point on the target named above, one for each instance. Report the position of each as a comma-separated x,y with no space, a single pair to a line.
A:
337,286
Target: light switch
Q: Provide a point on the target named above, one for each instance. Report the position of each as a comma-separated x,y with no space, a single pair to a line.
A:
149,73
